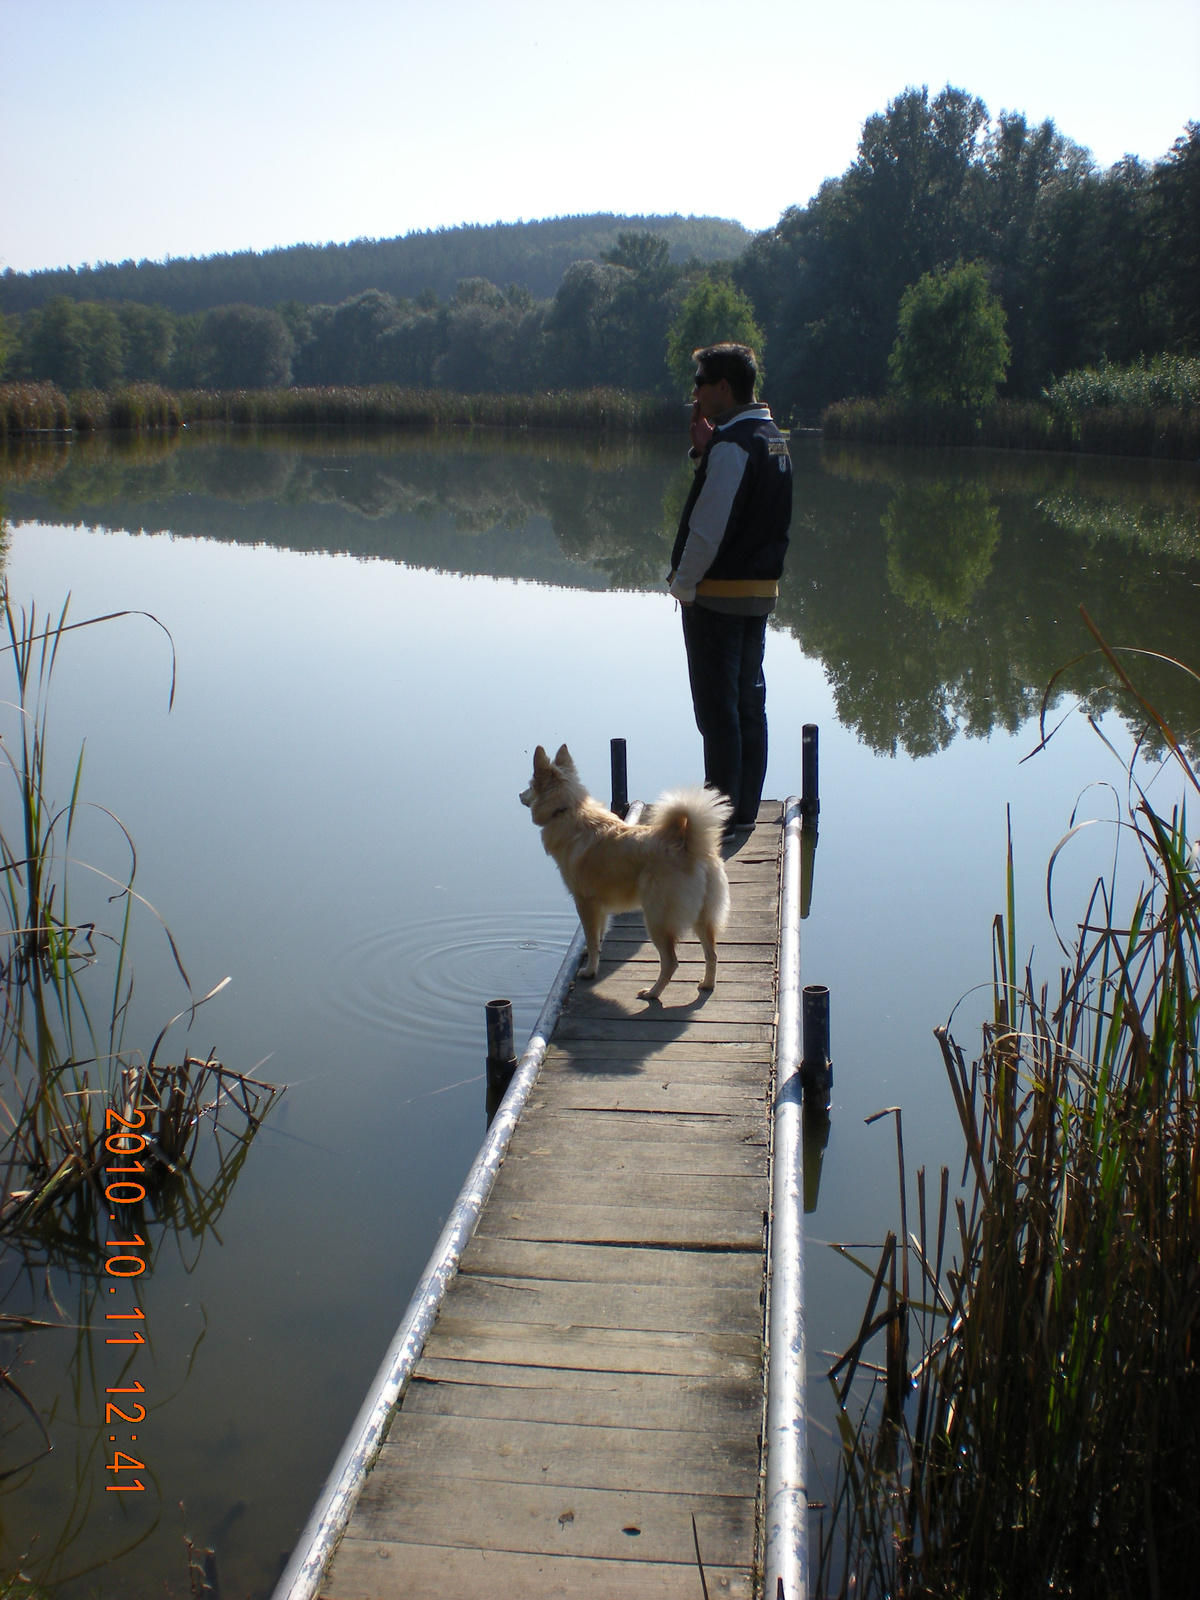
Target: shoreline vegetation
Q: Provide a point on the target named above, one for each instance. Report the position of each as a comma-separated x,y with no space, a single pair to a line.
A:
1147,408
1089,423
39,408
1162,432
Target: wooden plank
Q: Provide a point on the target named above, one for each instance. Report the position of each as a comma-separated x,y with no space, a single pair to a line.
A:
621,1000
551,1131
731,1051
649,1389
636,1400
622,989
534,1183
603,1074
733,1356
602,1263
752,939
651,1308
582,1151
655,1027
421,1507
371,1569
639,1460
640,1094
692,1227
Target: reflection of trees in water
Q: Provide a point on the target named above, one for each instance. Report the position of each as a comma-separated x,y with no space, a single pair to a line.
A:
939,588
393,496
1171,529
941,538
906,678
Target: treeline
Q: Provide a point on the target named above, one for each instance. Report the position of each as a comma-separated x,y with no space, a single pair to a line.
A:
1087,267
606,325
533,254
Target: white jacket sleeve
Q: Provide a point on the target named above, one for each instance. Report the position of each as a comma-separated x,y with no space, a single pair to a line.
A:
710,517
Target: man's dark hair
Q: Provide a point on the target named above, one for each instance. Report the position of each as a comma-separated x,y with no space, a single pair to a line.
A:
734,362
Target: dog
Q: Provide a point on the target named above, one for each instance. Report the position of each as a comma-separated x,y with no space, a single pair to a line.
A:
670,865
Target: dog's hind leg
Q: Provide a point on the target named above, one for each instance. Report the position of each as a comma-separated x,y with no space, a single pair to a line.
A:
593,918
706,933
664,943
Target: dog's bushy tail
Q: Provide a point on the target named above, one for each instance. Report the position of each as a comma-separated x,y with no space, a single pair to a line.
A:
696,817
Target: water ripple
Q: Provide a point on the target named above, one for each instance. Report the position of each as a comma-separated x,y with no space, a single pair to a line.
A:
426,982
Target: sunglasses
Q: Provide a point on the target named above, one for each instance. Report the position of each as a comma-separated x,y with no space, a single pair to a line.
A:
701,381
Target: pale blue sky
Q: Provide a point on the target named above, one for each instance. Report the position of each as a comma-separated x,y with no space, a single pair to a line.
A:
154,127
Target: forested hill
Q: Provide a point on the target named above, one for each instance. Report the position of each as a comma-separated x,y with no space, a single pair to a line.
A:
533,255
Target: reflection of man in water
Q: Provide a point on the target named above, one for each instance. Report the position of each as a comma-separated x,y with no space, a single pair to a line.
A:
725,568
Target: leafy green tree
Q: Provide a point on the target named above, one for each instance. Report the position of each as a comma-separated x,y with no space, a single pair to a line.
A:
951,349
243,347
583,343
75,345
343,344
147,339
184,368
713,311
1177,230
647,253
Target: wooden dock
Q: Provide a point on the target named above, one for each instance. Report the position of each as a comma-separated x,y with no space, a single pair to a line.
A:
594,1380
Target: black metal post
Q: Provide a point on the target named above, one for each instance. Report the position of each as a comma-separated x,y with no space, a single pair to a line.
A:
810,797
620,778
816,1069
501,1056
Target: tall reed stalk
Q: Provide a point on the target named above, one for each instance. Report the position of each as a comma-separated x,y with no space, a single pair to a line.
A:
64,1059
1044,1435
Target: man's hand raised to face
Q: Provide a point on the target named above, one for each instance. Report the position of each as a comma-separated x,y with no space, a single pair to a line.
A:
701,429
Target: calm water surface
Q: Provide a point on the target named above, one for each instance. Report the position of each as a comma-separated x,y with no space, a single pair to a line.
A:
372,636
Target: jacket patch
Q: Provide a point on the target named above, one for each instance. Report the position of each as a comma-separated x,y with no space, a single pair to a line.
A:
777,447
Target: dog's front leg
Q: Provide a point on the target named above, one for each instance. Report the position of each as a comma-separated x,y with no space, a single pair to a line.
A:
593,919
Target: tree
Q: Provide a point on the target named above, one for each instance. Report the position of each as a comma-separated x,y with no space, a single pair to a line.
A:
147,340
75,346
1177,186
952,349
244,347
713,312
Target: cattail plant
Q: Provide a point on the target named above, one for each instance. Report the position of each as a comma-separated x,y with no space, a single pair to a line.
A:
1034,1425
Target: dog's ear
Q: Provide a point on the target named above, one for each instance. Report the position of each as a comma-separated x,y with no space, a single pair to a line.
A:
540,760
563,758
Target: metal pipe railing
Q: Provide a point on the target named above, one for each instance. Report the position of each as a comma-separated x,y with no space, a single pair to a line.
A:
785,1553
302,1576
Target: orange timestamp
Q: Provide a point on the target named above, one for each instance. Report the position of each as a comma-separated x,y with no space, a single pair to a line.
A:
124,1143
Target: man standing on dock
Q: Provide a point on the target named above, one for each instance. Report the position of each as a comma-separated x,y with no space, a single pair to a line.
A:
725,568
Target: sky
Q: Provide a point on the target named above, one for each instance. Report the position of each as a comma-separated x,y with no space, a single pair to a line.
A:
148,128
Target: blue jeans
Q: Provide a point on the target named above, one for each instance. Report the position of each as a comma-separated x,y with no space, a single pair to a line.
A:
729,696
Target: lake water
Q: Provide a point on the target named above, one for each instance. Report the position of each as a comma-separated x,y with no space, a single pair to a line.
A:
371,636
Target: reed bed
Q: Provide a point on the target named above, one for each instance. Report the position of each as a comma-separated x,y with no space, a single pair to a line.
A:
1162,432
64,1061
1165,382
31,407
1031,1425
